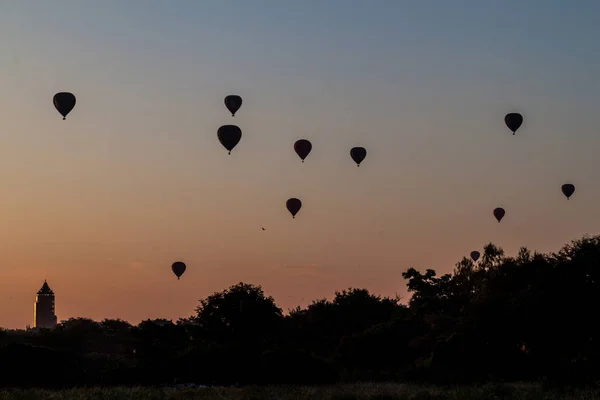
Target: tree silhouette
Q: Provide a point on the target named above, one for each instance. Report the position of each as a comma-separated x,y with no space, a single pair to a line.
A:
530,316
241,314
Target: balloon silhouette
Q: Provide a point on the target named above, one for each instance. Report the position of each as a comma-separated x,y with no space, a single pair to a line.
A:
233,102
513,121
293,205
475,255
64,102
302,148
358,154
499,213
568,190
178,268
229,136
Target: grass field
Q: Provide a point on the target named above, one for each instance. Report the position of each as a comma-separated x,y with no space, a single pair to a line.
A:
374,391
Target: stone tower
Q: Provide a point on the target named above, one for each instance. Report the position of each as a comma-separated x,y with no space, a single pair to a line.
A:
43,309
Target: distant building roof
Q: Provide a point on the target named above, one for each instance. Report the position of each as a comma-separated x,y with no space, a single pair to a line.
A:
45,289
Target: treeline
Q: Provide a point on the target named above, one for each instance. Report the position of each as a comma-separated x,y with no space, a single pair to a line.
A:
527,317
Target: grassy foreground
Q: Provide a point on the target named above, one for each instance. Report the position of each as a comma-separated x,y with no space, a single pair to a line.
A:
367,391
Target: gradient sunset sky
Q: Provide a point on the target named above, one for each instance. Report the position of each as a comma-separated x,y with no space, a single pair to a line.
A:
101,204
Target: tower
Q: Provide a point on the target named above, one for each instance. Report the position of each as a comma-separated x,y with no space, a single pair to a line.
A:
43,309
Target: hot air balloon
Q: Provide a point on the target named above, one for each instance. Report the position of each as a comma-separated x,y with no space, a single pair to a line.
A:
568,190
64,102
178,268
302,148
293,205
499,213
513,121
233,102
229,136
475,255
358,154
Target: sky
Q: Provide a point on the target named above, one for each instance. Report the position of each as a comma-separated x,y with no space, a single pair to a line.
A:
101,204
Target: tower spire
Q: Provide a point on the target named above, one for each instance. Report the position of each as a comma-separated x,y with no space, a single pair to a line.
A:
43,313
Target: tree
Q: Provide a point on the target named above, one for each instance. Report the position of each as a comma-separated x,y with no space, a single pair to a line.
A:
79,334
322,325
159,343
507,318
117,335
240,314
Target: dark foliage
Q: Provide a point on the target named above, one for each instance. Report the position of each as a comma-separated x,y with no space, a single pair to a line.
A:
505,318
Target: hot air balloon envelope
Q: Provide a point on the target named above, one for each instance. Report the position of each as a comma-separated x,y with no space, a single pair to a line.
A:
568,189
64,102
178,268
475,255
233,102
358,154
229,136
499,213
302,148
513,121
293,205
